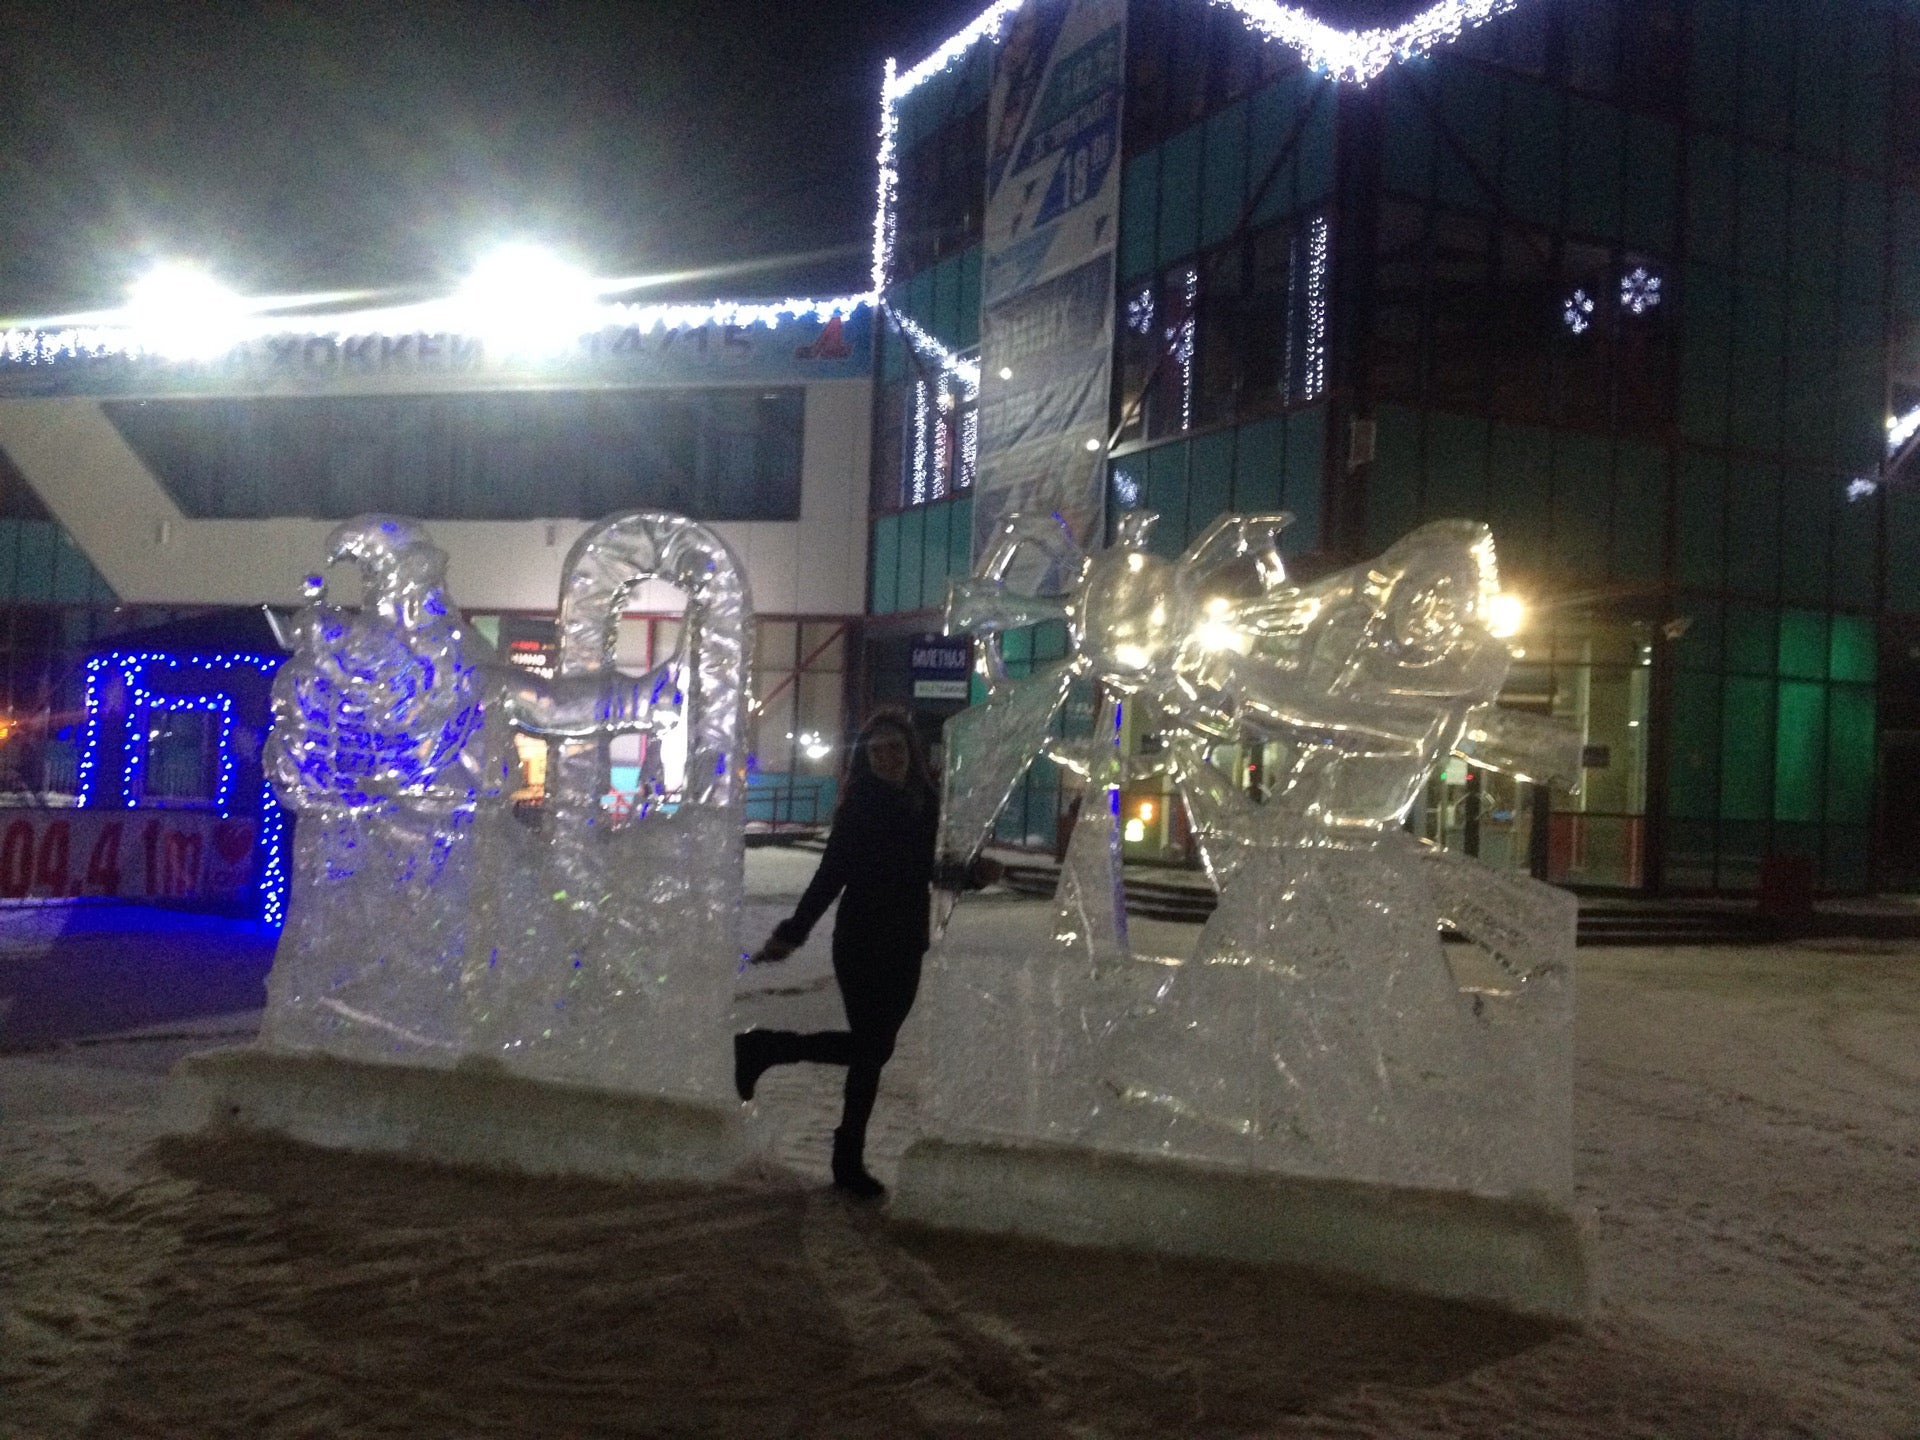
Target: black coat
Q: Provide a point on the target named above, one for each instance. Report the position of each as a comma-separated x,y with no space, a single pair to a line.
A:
879,861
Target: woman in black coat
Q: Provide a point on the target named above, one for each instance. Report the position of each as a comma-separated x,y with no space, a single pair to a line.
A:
880,862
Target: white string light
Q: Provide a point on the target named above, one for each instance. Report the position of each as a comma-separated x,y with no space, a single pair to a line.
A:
1354,56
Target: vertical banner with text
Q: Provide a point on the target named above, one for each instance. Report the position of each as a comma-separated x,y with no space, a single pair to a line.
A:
1046,329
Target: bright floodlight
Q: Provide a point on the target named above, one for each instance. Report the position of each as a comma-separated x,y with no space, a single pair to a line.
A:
1505,615
179,311
524,299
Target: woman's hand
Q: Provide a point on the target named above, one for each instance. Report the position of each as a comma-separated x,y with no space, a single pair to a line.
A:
771,953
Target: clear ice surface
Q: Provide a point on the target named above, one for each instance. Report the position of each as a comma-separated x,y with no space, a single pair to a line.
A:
1316,1024
428,922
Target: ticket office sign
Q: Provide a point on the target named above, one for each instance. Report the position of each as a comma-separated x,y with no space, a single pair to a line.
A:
124,855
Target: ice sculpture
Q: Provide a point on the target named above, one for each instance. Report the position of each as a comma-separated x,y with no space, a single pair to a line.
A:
1316,1025
428,921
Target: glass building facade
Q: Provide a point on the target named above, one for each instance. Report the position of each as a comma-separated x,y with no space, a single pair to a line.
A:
1635,281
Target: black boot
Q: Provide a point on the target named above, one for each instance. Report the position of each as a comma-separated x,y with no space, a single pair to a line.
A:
849,1167
753,1052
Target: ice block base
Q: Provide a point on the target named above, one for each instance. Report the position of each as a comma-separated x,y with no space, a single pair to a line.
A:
471,1114
1519,1254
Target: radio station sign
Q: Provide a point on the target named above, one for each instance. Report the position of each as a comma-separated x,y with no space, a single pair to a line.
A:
799,348
124,855
941,665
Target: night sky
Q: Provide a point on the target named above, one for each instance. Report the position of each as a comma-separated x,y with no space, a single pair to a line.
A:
381,143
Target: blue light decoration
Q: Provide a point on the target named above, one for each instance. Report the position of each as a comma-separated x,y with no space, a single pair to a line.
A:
149,681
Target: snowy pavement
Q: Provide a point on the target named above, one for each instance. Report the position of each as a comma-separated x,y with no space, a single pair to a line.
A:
1748,1155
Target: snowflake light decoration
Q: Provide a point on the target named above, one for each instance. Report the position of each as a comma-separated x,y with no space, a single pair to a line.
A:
1639,290
1577,313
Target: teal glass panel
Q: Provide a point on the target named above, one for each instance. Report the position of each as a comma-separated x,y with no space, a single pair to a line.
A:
33,575
886,565
1705,355
1693,773
1814,239
1868,87
1639,511
1746,749
1752,640
920,297
1803,644
1853,649
946,301
1698,645
1906,255
1016,648
1582,487
1763,212
1271,114
1699,550
1469,104
1712,81
1742,848
1408,144
1049,641
1530,179
1224,183
1593,168
893,357
9,553
1758,368
1806,523
1712,171
1315,169
1690,855
1863,241
1258,478
1818,103
933,562
913,544
960,538
1456,481
1753,529
1856,542
1306,450
1860,419
1903,538
1393,492
1848,861
1179,229
1519,496
72,572
1650,184
969,331
1210,482
1139,207
1166,493
1800,750
1850,753
1766,70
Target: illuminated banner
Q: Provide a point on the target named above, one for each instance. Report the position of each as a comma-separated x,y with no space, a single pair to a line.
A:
696,351
125,855
1046,334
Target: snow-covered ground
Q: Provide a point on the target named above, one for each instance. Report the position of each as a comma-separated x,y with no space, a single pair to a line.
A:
1748,1150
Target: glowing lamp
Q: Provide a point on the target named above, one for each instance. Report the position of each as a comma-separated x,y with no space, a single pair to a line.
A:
181,312
1146,811
1136,831
524,299
1506,614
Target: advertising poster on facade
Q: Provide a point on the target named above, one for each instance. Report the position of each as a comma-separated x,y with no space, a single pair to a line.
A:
125,855
1053,195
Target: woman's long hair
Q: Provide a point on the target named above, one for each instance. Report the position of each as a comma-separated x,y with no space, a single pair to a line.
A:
920,785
